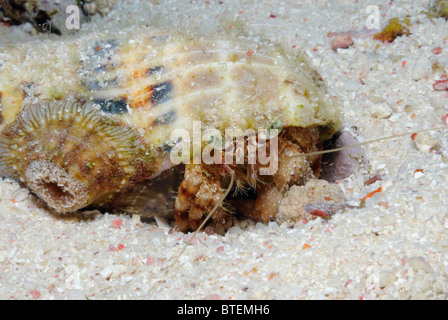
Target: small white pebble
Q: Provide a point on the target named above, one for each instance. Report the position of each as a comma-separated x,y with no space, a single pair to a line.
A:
162,222
425,142
136,218
2,257
76,294
421,68
20,195
329,290
386,184
418,174
386,279
419,263
106,272
437,102
381,110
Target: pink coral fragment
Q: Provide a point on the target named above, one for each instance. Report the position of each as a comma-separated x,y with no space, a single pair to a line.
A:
35,294
342,41
441,85
445,118
116,223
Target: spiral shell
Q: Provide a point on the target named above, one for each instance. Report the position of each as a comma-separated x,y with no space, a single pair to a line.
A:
84,120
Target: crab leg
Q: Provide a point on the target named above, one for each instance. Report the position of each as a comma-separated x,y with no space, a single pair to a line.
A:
199,193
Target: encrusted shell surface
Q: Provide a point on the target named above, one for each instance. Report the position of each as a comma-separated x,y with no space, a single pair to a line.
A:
102,108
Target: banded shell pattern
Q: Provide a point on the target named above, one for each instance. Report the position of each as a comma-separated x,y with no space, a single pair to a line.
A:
84,120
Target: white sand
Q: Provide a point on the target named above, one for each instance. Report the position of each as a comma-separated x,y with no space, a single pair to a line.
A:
394,248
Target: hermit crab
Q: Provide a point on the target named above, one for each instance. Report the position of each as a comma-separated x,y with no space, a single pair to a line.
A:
126,122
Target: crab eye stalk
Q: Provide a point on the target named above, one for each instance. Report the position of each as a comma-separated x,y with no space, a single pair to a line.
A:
275,125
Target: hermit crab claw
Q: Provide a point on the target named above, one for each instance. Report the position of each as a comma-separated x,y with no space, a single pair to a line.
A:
71,155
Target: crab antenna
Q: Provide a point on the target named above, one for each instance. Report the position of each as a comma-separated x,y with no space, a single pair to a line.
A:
364,143
173,264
